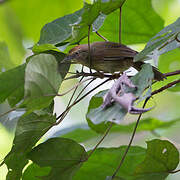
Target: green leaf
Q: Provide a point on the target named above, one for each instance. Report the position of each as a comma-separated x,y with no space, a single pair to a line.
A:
5,62
98,118
11,34
139,23
90,15
143,79
34,172
42,81
12,84
28,132
59,30
104,161
63,155
161,158
169,33
44,48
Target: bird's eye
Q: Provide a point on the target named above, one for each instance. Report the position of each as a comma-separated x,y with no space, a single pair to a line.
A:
77,52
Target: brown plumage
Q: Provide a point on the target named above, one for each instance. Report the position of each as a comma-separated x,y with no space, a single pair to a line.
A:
108,57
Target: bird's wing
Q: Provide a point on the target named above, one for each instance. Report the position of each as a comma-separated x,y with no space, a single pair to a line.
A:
114,51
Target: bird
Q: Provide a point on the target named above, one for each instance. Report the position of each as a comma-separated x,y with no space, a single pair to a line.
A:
108,57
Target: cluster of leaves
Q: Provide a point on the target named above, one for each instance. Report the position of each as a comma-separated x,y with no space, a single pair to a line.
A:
33,85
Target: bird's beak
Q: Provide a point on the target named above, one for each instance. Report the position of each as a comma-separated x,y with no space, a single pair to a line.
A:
68,58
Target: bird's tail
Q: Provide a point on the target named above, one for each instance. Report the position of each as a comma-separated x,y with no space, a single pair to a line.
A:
157,74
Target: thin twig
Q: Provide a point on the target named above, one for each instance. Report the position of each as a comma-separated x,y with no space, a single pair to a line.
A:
172,172
172,73
62,116
165,87
64,113
101,36
105,134
3,114
81,99
89,48
130,142
74,87
120,21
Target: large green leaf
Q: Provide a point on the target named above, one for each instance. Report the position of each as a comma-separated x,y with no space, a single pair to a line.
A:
28,132
42,81
90,14
11,34
161,158
59,30
36,14
139,23
104,161
158,42
153,163
12,84
64,156
5,62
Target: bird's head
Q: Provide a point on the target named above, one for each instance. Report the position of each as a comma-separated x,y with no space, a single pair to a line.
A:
78,54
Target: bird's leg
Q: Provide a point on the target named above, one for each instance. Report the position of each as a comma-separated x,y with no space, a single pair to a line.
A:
89,48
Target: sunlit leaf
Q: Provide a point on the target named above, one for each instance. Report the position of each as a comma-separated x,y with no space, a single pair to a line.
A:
139,23
44,48
42,81
161,158
34,172
11,34
167,35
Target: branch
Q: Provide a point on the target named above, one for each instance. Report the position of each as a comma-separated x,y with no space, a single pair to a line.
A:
130,142
112,76
165,87
172,73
